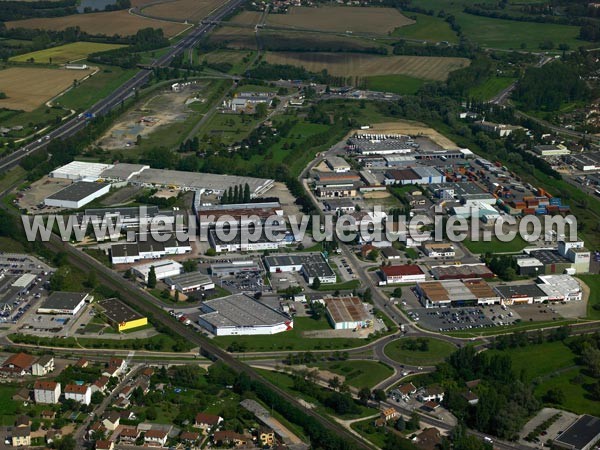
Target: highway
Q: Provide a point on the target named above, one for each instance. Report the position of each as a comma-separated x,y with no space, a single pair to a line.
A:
122,93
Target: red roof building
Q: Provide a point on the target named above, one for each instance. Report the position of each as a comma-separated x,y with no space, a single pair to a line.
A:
406,273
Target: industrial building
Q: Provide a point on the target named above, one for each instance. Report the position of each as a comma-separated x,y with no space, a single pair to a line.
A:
247,101
414,175
241,213
77,195
406,273
311,265
347,313
143,175
439,250
462,272
472,292
190,282
562,288
521,294
585,161
529,266
127,253
581,435
127,217
381,144
499,129
121,316
337,164
69,303
551,150
268,240
163,269
233,268
241,315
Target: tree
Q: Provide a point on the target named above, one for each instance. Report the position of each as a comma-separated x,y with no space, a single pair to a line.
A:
191,265
364,395
379,395
151,278
400,424
97,398
555,396
261,110
210,252
66,443
246,193
151,413
334,383
316,284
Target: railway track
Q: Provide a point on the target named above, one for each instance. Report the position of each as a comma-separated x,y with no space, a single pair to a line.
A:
142,301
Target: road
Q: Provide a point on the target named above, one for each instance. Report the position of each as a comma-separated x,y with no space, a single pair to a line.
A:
126,90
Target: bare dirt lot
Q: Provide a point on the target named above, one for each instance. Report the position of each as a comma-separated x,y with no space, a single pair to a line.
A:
163,109
376,194
113,22
28,88
342,19
412,129
191,10
363,65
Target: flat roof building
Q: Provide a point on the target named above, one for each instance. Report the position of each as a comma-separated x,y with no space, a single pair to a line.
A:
464,271
163,269
472,292
77,194
80,170
346,313
121,316
233,268
241,315
69,303
338,164
405,273
311,265
190,282
581,435
561,287
519,294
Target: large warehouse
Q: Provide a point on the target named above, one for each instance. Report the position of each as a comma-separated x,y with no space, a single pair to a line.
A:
63,303
240,315
311,265
473,292
77,194
190,282
347,313
121,316
163,269
234,267
80,170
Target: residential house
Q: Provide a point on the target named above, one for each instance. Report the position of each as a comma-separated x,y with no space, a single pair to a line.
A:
82,363
46,392
389,414
48,414
22,421
111,420
189,438
432,394
406,390
429,439
104,444
471,397
21,437
115,368
266,436
430,406
100,384
129,435
148,372
43,366
53,435
156,438
17,365
22,395
97,430
79,393
206,422
228,438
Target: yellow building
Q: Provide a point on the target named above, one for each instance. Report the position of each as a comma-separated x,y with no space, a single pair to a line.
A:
121,316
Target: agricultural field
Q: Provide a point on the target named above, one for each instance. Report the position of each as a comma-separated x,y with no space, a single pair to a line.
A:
191,10
361,65
427,28
341,19
398,84
237,59
490,88
359,374
113,22
65,53
28,88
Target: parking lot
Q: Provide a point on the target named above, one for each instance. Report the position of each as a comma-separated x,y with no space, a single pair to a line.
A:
243,282
345,271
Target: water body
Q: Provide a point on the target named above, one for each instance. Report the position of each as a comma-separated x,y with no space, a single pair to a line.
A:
94,5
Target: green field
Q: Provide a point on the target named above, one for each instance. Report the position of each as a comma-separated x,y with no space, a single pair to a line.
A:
496,246
437,352
95,88
490,88
593,282
65,53
229,128
359,373
572,382
9,406
427,28
397,84
292,340
540,360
